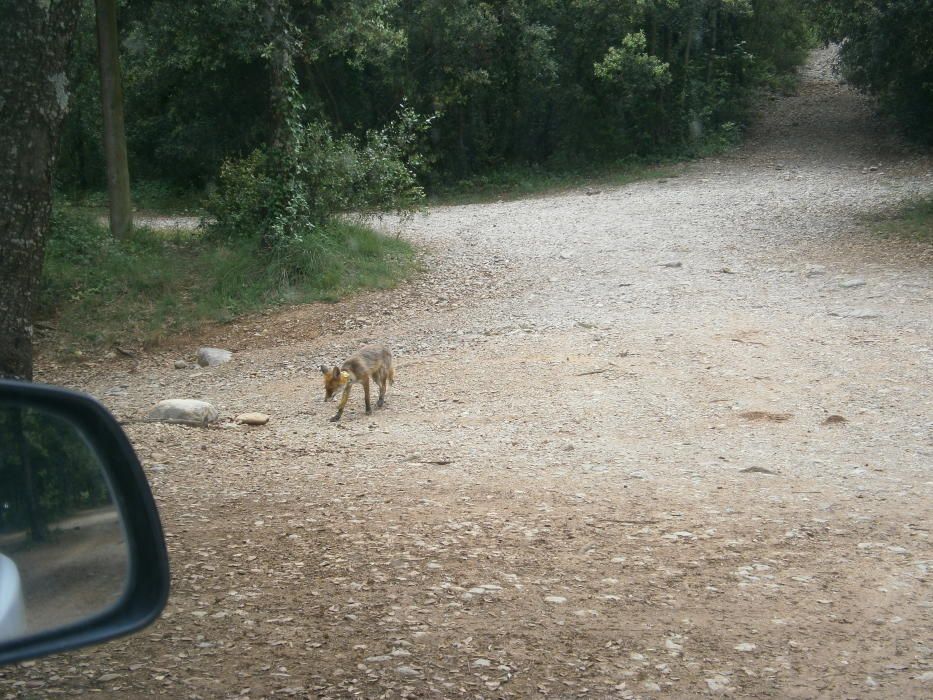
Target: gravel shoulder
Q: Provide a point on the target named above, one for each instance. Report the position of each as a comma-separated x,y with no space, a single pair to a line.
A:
672,439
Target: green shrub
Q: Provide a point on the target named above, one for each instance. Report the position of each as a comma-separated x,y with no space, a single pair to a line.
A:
334,175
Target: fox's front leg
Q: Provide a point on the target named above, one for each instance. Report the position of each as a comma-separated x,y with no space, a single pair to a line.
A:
342,404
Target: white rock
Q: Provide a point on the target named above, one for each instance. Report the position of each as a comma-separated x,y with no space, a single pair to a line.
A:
672,263
556,599
746,646
181,364
482,663
211,357
184,409
406,671
652,686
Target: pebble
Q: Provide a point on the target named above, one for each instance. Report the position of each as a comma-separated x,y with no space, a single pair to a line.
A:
745,646
672,263
718,684
181,364
556,599
252,418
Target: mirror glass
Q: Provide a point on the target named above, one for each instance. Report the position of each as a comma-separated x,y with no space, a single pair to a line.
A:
63,551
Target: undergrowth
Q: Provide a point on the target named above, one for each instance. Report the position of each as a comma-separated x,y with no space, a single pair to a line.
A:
97,291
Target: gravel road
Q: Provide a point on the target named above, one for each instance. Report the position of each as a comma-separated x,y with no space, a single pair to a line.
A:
666,440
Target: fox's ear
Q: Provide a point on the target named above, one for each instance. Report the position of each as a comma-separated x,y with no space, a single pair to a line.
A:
336,372
323,369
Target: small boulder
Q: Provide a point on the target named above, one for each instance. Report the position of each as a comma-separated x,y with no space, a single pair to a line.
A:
181,364
189,410
211,357
252,418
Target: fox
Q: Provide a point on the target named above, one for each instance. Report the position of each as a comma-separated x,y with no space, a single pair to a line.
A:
373,362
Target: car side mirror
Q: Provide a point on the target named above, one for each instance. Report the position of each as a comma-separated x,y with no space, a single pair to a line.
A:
82,555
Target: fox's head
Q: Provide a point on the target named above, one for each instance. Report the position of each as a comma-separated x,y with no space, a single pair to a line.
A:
334,380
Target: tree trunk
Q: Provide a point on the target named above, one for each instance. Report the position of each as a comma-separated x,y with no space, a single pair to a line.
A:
285,110
35,47
38,527
111,99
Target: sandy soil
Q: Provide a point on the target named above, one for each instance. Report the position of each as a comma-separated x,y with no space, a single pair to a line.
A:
609,466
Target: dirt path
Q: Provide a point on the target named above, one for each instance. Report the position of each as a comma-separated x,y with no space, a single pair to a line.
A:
597,475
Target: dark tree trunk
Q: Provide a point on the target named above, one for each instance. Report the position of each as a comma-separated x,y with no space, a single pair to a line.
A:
111,100
35,47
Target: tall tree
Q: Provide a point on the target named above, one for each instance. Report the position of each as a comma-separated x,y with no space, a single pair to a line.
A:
35,43
111,99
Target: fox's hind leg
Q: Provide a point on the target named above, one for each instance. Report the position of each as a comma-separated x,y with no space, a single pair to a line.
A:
369,409
381,380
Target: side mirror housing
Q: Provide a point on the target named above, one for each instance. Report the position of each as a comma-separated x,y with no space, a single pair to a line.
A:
82,554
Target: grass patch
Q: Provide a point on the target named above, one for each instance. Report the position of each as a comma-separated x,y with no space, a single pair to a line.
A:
913,221
99,292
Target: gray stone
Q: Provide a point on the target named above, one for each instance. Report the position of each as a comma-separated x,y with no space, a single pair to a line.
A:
189,410
857,313
181,364
211,357
672,263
